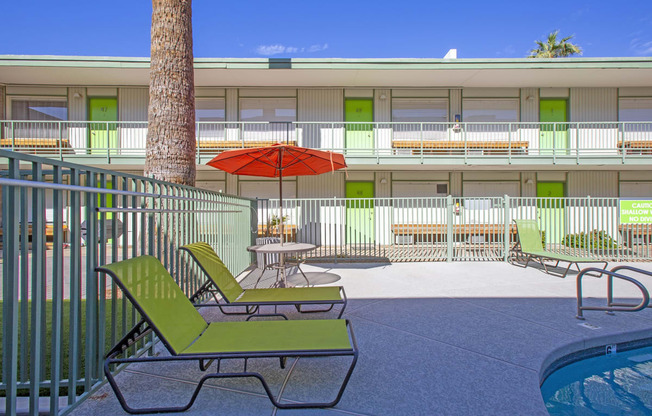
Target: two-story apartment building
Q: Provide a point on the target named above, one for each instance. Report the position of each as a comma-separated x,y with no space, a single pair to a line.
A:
408,127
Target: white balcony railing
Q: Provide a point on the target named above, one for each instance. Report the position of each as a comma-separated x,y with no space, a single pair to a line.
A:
519,139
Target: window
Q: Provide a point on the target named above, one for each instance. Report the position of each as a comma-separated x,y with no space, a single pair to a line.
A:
268,109
279,111
475,189
47,111
209,109
39,109
418,110
209,112
426,118
401,189
489,111
635,109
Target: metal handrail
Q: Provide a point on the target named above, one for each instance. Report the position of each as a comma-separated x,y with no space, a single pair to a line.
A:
611,274
90,189
162,211
610,293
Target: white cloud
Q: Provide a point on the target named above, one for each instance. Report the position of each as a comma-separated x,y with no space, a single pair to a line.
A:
270,49
276,49
641,47
317,48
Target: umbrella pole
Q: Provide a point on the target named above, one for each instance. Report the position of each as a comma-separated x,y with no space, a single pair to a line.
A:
280,205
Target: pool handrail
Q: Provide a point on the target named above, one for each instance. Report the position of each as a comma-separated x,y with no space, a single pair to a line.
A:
610,301
611,307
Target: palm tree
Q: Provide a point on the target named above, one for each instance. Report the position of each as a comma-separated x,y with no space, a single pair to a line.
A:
170,153
553,49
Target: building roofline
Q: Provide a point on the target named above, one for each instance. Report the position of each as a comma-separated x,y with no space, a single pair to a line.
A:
335,63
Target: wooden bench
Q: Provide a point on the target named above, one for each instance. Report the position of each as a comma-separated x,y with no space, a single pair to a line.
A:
489,232
37,145
451,146
216,146
635,147
49,233
289,232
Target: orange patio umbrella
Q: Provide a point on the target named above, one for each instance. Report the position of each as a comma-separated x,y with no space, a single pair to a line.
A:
277,161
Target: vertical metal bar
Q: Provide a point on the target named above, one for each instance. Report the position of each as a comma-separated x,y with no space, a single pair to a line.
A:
577,144
507,223
57,293
101,277
509,144
10,198
75,272
37,334
91,281
449,228
23,281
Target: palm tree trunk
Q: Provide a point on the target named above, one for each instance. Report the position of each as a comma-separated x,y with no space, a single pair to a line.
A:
171,146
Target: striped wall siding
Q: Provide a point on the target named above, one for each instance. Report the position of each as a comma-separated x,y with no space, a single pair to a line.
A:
3,113
528,189
383,190
321,105
132,104
594,104
77,135
232,105
321,186
530,104
455,187
455,103
593,183
383,113
231,113
77,106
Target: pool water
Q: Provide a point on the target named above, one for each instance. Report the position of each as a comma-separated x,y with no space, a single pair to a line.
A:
619,384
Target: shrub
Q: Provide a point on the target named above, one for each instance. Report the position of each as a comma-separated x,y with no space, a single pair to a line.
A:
595,239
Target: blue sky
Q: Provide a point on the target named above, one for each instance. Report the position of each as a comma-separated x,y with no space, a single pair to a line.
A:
318,29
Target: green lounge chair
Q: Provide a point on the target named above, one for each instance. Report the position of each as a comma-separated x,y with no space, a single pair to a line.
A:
529,241
167,312
221,282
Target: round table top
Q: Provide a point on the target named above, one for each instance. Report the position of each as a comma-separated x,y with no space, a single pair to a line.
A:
282,248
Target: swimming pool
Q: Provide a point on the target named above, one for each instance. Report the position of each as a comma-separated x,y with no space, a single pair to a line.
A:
618,384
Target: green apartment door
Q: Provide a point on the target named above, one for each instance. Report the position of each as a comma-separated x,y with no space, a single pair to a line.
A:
553,136
551,211
360,225
103,135
359,136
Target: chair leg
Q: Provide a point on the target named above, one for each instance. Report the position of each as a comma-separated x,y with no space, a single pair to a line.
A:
250,310
245,374
298,307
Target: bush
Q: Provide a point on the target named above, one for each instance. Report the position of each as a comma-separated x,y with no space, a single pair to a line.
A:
595,239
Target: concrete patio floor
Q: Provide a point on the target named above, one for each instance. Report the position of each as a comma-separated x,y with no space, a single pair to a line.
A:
434,339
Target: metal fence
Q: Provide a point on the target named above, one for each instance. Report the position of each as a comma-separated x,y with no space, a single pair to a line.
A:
519,139
454,229
60,221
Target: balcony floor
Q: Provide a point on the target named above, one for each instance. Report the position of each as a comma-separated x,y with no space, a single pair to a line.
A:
434,338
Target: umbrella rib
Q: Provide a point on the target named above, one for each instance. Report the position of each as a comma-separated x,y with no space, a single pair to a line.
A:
297,161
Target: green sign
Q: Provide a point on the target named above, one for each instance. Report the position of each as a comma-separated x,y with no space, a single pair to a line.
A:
635,212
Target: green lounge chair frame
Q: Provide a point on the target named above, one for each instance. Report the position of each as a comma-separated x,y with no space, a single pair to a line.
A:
530,245
167,312
227,292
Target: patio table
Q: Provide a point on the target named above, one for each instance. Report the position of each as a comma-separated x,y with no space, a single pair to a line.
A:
282,250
